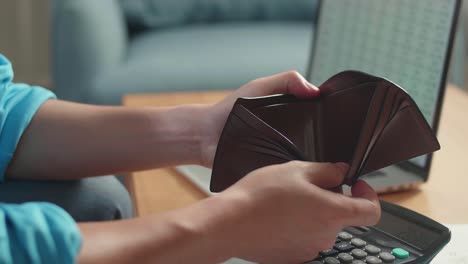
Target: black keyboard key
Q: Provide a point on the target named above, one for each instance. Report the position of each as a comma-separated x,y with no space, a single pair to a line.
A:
345,236
373,260
343,246
372,250
314,262
331,260
345,258
358,262
328,252
362,228
359,243
358,253
386,257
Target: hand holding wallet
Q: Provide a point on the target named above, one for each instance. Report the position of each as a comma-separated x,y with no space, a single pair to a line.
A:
363,120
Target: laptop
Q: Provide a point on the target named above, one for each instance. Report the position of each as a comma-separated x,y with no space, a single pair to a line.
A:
407,42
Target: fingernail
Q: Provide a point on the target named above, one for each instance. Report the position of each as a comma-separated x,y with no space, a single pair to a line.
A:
311,86
343,166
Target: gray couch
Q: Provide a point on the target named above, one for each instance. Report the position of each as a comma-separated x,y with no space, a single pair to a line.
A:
107,48
104,49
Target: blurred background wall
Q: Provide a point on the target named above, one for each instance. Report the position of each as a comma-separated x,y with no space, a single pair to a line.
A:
25,39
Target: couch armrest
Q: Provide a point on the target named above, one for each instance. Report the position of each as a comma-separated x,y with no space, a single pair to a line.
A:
89,37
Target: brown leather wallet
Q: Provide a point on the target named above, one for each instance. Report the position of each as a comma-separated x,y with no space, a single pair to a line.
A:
363,120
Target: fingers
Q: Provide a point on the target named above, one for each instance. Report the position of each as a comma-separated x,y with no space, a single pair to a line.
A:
324,175
362,190
327,175
338,189
363,208
287,82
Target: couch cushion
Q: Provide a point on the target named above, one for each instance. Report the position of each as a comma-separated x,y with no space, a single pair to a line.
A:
220,56
163,13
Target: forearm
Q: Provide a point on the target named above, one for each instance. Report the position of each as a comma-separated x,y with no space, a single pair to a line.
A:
68,140
197,234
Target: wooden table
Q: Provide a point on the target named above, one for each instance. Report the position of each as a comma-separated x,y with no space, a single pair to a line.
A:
442,197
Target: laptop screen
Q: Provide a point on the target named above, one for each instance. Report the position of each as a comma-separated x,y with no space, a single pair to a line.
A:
407,42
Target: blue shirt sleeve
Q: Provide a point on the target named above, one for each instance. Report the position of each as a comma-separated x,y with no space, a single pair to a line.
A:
18,104
37,233
31,232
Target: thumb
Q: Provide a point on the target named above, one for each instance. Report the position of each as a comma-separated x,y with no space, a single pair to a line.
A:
364,206
325,175
362,190
287,82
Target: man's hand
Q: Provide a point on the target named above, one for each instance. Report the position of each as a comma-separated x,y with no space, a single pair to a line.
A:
277,214
288,82
285,214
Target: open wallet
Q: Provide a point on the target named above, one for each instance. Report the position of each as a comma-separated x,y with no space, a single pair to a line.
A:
363,120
